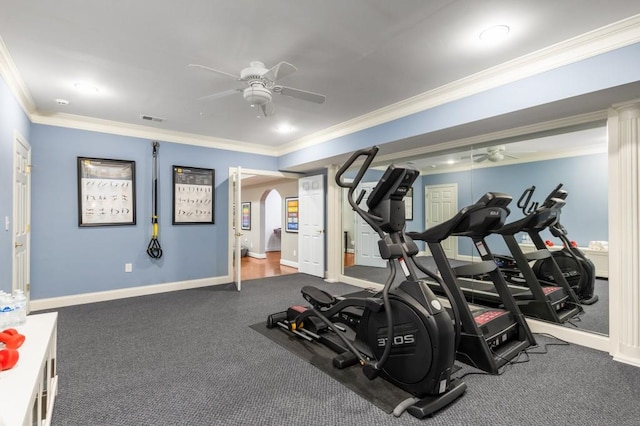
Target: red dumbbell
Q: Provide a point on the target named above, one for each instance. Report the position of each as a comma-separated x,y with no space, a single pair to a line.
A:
8,358
11,338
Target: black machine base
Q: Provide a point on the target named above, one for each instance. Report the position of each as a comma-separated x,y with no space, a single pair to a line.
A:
429,405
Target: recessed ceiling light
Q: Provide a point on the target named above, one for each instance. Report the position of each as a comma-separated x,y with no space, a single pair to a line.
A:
497,32
86,88
451,162
62,102
285,128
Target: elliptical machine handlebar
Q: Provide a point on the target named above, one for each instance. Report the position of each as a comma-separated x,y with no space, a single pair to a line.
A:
370,153
525,199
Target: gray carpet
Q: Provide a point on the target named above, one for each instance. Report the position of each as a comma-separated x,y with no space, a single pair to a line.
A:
190,358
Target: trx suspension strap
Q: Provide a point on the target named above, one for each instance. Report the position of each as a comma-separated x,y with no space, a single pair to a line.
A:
154,250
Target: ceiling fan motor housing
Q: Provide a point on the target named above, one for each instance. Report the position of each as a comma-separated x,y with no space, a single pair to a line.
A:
257,95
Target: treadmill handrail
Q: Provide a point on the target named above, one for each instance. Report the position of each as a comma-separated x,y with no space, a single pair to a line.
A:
447,228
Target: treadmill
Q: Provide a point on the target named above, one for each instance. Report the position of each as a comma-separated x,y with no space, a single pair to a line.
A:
490,336
555,302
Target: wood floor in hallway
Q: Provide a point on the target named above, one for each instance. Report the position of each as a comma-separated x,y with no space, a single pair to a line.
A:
253,268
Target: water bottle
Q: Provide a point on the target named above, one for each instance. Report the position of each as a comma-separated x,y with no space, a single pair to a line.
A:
20,307
6,311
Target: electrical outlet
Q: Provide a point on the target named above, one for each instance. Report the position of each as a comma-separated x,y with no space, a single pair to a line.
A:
128,267
295,252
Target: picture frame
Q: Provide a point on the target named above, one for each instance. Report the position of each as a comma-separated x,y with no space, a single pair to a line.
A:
193,196
245,218
106,192
408,205
291,214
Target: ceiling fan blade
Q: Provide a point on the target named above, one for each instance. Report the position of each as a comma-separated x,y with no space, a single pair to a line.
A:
280,70
510,156
300,94
221,94
202,67
480,158
268,109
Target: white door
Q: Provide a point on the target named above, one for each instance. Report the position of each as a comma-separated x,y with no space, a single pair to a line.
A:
367,250
441,204
235,179
311,232
21,214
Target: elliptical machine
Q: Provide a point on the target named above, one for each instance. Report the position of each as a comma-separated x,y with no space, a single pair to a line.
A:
404,334
576,267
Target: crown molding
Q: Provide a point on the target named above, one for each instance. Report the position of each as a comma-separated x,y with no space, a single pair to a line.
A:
145,132
10,75
605,39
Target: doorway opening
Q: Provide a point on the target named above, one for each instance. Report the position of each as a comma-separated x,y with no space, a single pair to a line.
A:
266,262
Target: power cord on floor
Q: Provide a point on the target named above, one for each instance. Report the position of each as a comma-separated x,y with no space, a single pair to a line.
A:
501,370
544,350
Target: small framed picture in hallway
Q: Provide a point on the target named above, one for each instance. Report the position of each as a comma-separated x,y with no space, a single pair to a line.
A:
245,219
291,214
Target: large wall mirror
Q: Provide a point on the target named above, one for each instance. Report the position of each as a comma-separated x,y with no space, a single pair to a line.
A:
574,157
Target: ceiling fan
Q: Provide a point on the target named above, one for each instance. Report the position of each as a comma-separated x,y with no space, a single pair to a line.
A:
493,153
260,84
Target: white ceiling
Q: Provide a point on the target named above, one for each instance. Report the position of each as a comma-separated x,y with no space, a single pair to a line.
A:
362,54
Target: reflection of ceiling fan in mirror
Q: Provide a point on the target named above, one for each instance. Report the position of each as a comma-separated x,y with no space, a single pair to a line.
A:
492,153
259,83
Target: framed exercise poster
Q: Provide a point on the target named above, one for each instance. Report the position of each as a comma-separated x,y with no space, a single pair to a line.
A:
106,192
245,218
193,195
291,214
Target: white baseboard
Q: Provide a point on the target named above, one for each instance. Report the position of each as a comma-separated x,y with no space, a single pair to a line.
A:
257,255
358,282
286,262
627,360
103,296
579,337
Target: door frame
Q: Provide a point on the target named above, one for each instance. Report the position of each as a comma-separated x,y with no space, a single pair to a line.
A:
231,196
18,139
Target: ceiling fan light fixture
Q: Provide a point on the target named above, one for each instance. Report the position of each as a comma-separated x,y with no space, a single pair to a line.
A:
257,95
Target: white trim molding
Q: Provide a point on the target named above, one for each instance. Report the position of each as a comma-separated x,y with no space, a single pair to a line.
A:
624,232
571,335
103,296
289,263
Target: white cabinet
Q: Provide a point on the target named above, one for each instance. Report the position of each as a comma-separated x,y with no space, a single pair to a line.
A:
28,390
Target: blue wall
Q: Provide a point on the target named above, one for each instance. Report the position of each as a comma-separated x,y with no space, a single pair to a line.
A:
12,119
584,177
67,259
